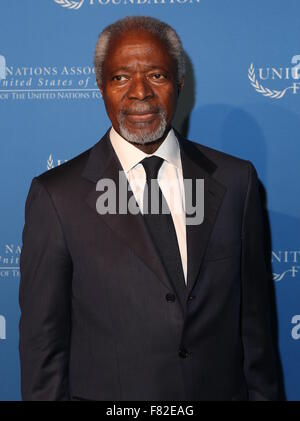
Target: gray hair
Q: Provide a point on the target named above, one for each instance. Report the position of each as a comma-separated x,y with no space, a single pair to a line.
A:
160,29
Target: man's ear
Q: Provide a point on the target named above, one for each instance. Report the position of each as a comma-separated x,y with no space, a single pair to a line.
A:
100,88
180,85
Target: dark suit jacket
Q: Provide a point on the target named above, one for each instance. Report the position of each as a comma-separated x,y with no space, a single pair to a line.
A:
101,320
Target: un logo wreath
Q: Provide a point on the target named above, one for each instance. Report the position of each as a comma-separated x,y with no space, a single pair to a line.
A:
273,94
70,4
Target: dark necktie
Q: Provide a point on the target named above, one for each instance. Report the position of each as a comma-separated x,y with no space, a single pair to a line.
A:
161,226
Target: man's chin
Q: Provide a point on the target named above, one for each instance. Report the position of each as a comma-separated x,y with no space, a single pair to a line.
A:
142,136
143,141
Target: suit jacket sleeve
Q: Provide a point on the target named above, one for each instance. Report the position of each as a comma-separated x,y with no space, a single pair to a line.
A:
260,365
44,298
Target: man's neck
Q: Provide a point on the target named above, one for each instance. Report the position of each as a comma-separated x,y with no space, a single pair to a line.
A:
149,148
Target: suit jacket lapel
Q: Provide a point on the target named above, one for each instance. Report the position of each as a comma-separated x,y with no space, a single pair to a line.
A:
103,163
196,165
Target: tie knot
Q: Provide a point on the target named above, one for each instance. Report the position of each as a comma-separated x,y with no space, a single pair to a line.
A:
151,166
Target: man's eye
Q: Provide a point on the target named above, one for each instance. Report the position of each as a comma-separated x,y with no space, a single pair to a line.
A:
119,78
158,76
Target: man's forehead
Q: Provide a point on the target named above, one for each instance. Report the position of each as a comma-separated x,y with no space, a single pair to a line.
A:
138,47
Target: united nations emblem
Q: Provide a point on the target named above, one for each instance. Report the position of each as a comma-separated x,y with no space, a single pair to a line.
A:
70,4
289,75
271,93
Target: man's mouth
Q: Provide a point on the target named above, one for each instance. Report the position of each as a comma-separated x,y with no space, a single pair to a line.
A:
141,117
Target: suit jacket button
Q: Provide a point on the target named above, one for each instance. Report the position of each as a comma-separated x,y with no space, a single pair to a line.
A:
191,297
170,297
183,353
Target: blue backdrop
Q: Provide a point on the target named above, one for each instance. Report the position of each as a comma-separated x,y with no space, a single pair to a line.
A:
242,95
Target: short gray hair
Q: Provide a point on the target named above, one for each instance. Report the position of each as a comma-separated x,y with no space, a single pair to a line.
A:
160,29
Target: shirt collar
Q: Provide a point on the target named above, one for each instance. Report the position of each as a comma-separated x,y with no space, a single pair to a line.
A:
129,155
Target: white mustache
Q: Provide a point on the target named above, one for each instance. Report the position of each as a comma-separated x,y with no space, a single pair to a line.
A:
142,108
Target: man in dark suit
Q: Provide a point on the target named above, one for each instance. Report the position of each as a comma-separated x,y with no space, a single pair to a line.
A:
135,305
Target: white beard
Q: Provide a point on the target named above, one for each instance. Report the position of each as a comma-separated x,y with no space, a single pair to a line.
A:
142,136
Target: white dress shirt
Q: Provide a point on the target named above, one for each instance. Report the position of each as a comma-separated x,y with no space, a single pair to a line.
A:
170,180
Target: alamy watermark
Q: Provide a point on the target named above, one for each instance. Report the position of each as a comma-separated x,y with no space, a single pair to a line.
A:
113,200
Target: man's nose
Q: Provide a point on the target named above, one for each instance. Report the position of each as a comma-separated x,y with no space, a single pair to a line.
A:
140,89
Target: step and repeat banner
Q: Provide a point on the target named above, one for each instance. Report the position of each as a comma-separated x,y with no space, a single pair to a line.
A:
242,96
